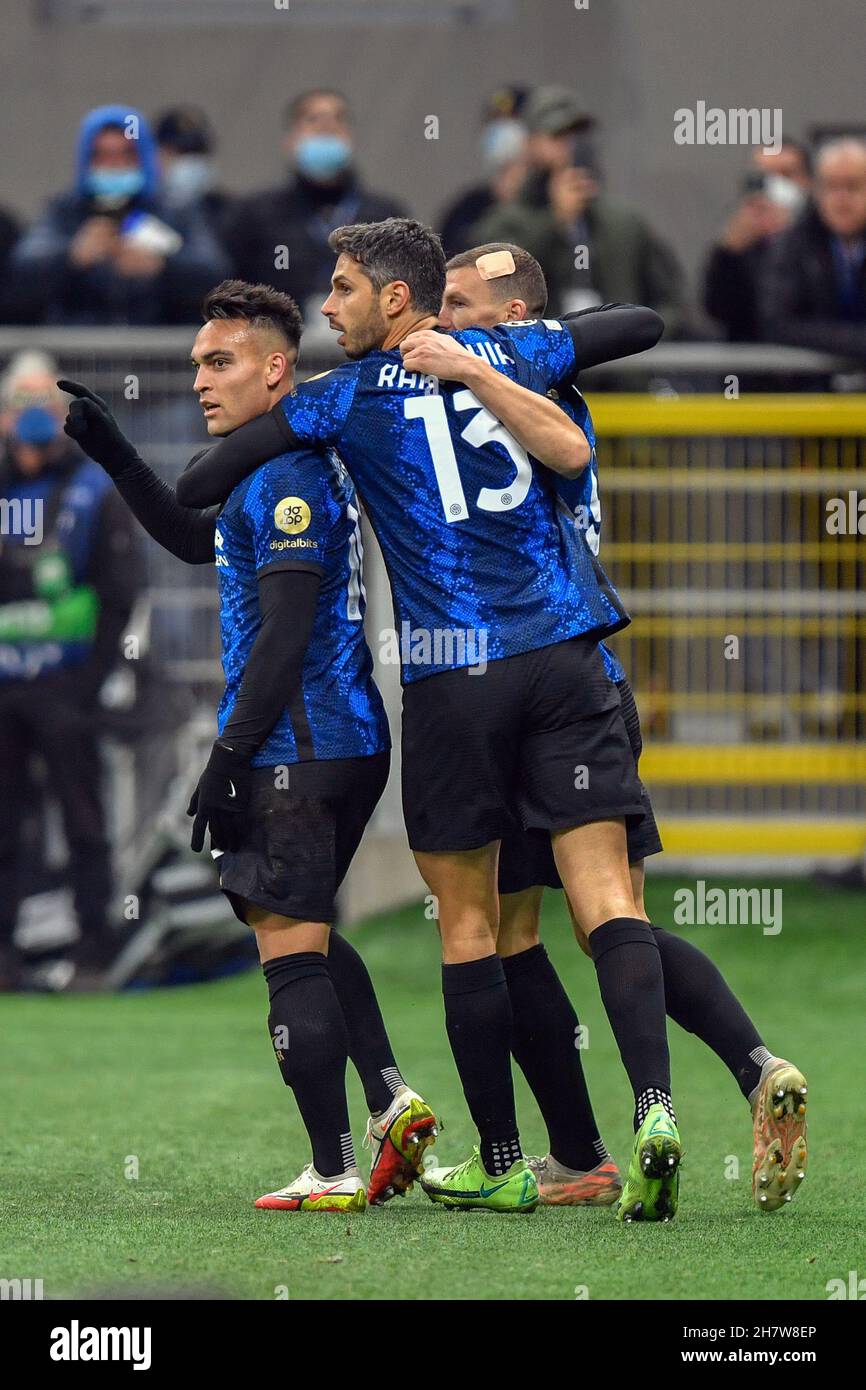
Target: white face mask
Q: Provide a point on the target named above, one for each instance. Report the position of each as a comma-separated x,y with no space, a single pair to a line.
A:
784,192
187,178
501,141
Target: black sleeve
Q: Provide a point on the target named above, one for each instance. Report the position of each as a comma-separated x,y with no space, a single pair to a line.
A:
612,331
186,533
287,603
210,479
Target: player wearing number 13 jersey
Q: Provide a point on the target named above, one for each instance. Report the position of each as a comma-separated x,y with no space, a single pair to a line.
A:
472,543
532,733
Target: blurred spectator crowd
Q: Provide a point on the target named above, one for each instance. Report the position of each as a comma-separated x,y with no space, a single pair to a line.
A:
144,227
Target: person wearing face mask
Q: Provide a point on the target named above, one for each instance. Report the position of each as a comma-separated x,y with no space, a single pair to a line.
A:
186,146
812,292
110,250
592,250
775,191
502,148
69,574
323,191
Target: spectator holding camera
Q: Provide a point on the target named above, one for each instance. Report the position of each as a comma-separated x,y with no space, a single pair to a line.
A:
813,284
591,249
775,192
109,251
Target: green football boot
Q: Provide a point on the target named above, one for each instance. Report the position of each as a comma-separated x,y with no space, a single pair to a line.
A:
652,1187
468,1185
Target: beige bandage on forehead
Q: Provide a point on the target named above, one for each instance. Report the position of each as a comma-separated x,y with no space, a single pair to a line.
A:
495,264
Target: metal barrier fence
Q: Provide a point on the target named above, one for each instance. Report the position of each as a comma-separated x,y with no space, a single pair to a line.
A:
731,528
747,647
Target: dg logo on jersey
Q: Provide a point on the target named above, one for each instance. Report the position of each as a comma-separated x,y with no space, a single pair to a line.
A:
292,515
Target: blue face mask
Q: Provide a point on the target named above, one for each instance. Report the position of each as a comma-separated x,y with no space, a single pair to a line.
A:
322,156
35,426
114,185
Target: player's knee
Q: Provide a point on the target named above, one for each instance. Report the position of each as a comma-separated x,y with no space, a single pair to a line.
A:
467,934
637,884
580,936
285,936
519,922
514,942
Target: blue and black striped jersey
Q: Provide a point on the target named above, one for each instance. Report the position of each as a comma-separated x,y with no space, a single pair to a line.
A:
473,540
299,511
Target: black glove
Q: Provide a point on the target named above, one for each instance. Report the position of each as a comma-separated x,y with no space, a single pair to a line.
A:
91,424
220,800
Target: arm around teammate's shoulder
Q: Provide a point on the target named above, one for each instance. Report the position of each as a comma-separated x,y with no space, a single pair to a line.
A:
216,474
543,429
612,331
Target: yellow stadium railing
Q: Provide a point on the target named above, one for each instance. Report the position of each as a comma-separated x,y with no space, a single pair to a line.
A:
721,530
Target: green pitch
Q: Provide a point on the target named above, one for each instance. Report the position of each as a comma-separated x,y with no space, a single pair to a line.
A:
180,1087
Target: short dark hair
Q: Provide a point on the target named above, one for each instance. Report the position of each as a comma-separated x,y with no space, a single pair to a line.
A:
526,283
294,108
397,249
262,305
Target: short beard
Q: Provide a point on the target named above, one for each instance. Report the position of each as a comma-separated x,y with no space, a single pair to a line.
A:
371,335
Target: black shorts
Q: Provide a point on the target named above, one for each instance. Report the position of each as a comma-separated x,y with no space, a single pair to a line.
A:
536,741
526,858
301,838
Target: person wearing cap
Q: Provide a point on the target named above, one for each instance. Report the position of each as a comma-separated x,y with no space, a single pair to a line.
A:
69,575
560,209
502,150
110,251
186,145
280,237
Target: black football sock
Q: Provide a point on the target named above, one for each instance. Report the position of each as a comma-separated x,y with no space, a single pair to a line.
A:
369,1046
630,979
544,1044
478,1022
699,1000
309,1036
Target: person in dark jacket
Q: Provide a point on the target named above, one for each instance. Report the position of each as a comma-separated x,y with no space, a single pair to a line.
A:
69,574
9,236
775,192
813,287
187,145
591,249
280,237
503,156
110,251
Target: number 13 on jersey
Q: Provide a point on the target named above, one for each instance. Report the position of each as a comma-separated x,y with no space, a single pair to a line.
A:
482,429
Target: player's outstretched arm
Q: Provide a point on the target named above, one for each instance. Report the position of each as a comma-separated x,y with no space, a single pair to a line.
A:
187,534
287,605
212,478
611,331
537,423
